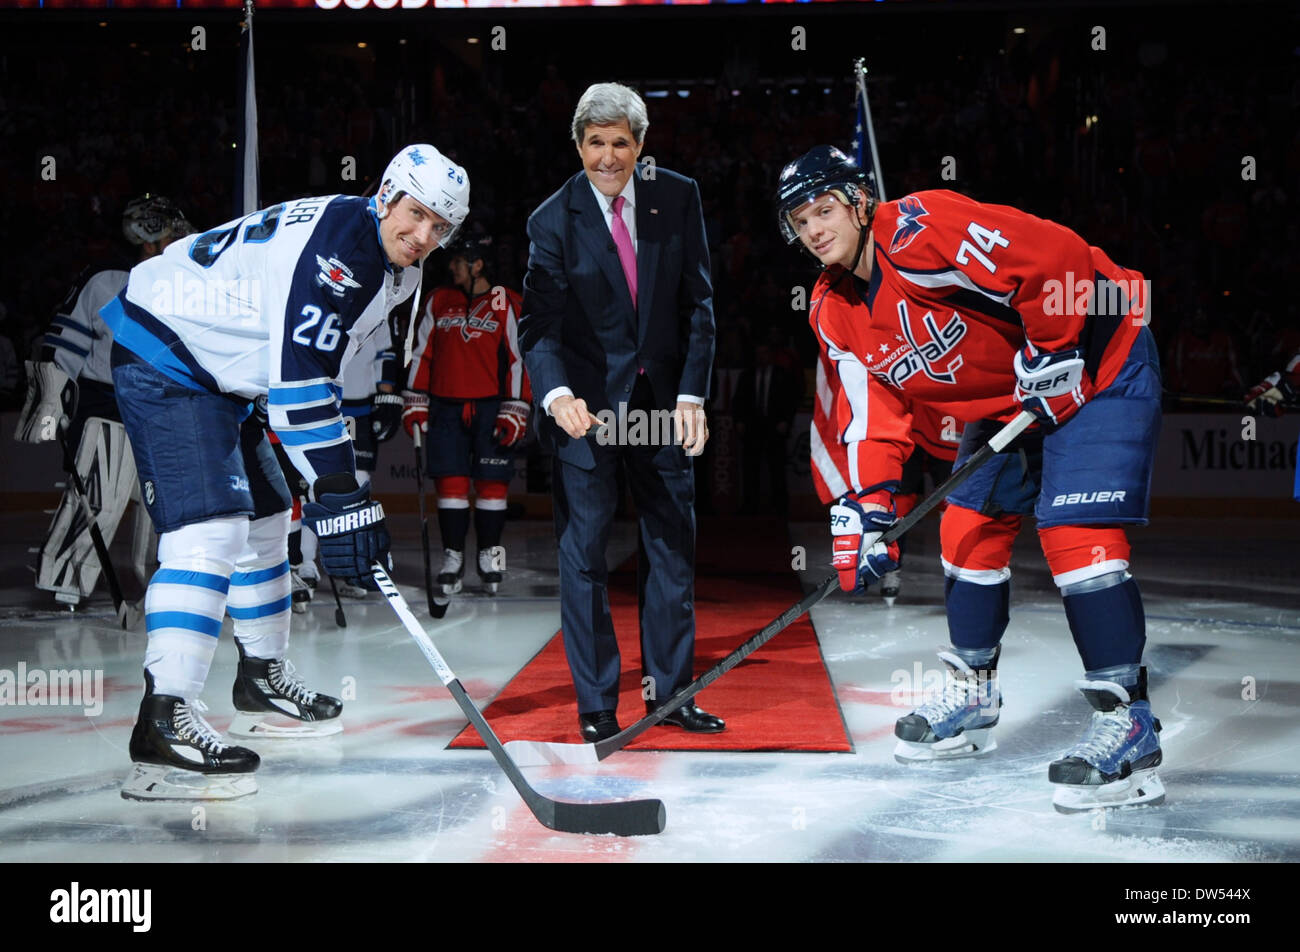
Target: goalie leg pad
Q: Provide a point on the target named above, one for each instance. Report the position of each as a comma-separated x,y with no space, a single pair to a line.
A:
68,564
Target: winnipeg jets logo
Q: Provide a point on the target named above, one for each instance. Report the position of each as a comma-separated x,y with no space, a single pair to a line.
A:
335,275
925,354
908,227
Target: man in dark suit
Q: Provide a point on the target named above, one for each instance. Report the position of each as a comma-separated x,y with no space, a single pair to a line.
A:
618,321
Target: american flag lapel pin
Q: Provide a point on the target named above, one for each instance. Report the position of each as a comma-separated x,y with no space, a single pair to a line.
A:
654,211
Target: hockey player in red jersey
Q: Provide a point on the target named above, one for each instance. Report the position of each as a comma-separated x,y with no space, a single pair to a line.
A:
468,389
980,311
934,436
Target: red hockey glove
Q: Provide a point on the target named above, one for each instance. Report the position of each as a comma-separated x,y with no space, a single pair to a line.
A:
512,422
859,554
415,412
1051,386
1271,395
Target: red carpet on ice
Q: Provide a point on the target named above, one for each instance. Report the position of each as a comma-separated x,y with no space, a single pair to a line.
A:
779,698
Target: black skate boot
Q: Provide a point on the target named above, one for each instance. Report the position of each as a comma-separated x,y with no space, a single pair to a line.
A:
272,702
177,755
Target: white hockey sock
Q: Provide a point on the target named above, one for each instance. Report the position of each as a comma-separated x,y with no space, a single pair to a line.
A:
260,589
259,604
186,602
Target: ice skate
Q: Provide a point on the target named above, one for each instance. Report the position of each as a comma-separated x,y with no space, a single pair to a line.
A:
1114,764
492,567
348,590
452,571
890,584
272,702
177,755
957,723
300,592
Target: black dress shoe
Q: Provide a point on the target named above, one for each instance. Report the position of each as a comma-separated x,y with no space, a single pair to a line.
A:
691,718
598,725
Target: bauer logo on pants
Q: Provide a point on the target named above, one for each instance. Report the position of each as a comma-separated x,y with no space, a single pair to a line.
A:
148,492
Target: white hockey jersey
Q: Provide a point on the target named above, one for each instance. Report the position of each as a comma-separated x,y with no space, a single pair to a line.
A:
78,342
364,373
274,303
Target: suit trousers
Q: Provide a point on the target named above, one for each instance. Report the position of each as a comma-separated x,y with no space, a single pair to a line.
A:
662,483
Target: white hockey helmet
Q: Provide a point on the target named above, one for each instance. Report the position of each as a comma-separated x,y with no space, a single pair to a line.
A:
432,179
152,218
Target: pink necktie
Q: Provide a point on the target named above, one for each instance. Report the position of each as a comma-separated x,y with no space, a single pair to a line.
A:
623,242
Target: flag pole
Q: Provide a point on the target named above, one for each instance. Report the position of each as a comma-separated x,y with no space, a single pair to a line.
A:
864,111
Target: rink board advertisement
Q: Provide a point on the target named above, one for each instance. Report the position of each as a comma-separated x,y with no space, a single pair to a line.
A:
1208,456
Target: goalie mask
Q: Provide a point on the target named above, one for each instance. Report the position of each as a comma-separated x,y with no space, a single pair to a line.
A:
152,218
822,169
433,180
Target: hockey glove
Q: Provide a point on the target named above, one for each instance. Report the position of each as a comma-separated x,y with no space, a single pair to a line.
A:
416,412
350,527
386,410
42,417
859,554
1271,395
512,422
1051,386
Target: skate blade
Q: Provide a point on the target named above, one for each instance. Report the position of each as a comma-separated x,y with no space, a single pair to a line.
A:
278,726
889,600
154,782
1141,788
971,743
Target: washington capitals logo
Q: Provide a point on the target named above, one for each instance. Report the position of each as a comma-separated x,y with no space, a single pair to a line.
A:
909,210
335,275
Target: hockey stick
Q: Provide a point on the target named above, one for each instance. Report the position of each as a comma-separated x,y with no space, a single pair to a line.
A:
537,753
340,619
622,818
128,615
437,609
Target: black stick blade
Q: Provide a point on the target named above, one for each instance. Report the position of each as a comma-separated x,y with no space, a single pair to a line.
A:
438,606
625,818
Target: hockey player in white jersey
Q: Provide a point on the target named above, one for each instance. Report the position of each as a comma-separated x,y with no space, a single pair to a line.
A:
70,399
372,413
273,304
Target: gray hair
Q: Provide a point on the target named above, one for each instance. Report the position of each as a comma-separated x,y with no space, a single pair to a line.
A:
607,103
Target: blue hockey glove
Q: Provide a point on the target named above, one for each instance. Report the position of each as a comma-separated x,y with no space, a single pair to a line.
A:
859,555
350,527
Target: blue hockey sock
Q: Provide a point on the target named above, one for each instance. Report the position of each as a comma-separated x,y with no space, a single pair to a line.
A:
977,617
1107,622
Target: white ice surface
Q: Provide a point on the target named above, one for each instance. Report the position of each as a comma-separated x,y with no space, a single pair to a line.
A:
1222,610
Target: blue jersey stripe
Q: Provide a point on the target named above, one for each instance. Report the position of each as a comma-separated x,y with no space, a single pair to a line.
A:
326,413
261,611
305,393
153,342
217,583
62,320
315,436
261,575
53,341
186,620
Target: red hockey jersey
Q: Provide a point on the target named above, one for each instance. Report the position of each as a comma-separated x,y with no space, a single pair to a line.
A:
468,349
957,288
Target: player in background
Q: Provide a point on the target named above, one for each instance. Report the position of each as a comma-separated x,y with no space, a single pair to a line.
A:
934,437
271,305
1275,394
466,387
72,374
980,311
